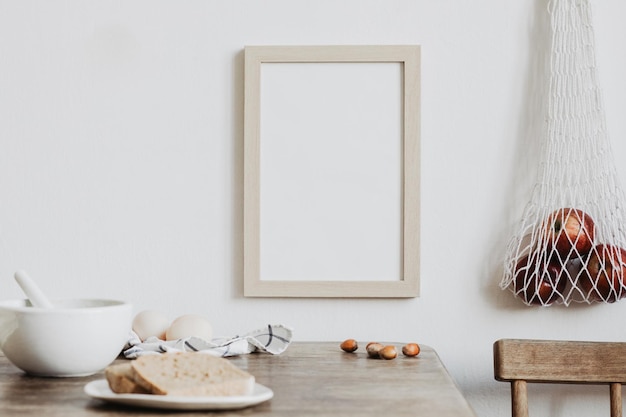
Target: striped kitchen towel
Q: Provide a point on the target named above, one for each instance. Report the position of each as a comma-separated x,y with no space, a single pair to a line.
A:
273,339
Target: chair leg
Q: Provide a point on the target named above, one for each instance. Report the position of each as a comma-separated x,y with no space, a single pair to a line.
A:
616,399
519,398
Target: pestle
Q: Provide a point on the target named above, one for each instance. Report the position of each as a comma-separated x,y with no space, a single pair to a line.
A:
32,291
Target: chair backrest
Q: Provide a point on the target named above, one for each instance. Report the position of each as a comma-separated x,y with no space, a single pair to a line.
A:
520,361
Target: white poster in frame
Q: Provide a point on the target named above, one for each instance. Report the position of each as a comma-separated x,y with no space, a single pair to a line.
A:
331,171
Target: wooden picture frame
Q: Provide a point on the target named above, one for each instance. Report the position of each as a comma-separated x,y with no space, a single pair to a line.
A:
283,250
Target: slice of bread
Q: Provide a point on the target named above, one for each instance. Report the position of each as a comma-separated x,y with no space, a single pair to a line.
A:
120,379
181,374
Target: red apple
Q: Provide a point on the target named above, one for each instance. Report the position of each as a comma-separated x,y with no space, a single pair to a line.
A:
605,276
539,282
571,232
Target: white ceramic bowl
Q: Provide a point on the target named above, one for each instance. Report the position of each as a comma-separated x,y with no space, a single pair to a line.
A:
76,338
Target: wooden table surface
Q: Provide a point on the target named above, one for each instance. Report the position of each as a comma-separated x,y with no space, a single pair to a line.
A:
309,379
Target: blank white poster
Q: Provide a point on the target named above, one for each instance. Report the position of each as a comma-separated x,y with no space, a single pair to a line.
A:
331,171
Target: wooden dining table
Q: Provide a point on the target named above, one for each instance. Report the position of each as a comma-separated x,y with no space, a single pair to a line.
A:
309,379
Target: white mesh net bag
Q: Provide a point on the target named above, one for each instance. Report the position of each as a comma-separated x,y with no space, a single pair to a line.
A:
570,245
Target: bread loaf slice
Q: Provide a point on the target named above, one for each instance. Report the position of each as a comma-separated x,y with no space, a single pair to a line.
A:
190,374
120,379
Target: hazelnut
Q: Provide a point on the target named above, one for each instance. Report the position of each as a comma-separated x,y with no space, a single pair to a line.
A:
411,349
349,345
373,348
388,352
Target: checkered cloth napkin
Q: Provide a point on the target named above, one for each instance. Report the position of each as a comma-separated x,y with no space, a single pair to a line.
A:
274,339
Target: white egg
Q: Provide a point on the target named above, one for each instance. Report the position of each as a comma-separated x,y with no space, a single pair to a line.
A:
190,325
150,323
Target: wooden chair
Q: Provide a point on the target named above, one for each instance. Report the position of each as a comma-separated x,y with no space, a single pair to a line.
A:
550,361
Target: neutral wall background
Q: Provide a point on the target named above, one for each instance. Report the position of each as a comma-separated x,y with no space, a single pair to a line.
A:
121,132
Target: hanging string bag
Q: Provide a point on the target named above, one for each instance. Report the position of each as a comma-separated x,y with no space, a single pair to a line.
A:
570,245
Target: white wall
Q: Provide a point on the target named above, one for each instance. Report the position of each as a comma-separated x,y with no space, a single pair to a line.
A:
121,132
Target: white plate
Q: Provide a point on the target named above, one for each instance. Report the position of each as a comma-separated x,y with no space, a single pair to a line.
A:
100,389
